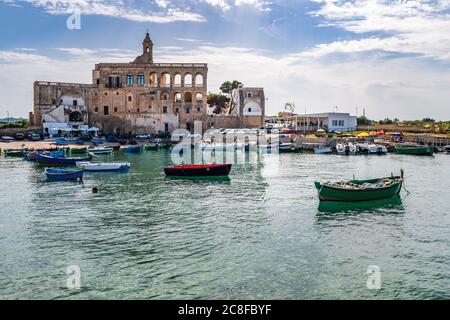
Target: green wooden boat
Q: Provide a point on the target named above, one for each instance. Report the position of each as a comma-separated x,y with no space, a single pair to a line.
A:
14,153
360,190
151,146
82,150
414,149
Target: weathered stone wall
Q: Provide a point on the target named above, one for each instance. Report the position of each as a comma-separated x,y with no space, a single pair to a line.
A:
47,96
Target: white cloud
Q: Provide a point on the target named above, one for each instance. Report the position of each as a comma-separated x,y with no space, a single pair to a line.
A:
410,26
226,5
114,8
385,88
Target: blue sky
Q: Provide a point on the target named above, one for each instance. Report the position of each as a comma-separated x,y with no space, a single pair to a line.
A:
390,58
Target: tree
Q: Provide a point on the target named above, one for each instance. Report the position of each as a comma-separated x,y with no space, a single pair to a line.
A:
218,101
428,120
227,88
363,120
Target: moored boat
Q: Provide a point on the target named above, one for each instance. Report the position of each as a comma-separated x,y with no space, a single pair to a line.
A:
132,149
62,141
105,166
100,150
360,190
151,146
346,149
414,149
198,170
45,159
289,148
323,150
82,150
14,153
447,148
64,174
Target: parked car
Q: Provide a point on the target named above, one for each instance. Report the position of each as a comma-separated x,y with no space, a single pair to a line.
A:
34,137
20,136
7,139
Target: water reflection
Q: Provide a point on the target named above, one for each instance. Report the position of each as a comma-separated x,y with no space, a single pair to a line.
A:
199,178
392,205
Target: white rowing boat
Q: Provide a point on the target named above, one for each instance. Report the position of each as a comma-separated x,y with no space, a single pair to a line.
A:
104,166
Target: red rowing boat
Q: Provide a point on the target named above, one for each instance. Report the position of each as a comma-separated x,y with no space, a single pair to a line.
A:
198,170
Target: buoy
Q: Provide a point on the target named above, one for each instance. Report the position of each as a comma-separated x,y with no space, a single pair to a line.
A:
94,190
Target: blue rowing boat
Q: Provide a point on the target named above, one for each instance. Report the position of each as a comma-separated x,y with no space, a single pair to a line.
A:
70,161
63,174
132,149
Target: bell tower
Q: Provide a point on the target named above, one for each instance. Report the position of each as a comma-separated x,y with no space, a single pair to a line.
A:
147,45
147,51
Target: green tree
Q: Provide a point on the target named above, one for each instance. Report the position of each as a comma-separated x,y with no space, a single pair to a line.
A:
227,88
218,101
428,120
363,120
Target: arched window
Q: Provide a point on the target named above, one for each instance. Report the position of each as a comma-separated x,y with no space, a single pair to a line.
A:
177,97
129,79
141,79
199,80
153,79
177,80
188,97
199,97
188,80
165,80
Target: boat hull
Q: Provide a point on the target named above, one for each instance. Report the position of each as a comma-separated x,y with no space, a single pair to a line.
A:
132,149
104,167
43,159
330,193
64,175
417,151
198,170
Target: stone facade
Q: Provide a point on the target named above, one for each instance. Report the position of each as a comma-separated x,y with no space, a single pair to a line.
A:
129,98
61,103
143,97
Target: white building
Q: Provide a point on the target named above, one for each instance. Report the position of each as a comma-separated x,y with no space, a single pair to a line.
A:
329,121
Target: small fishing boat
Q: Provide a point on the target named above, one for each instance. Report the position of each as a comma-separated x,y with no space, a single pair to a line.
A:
132,149
289,148
151,146
62,141
45,159
367,148
82,150
14,153
323,150
198,170
447,148
64,174
414,149
97,142
360,190
100,150
346,149
105,166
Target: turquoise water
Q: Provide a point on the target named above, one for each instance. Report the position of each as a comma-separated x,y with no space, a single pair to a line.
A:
260,234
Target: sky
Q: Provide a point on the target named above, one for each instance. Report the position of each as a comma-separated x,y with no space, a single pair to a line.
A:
388,58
